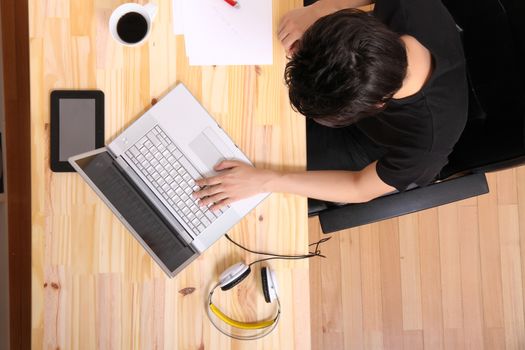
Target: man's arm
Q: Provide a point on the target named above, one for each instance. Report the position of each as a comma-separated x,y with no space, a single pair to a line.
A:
297,21
237,180
345,4
333,185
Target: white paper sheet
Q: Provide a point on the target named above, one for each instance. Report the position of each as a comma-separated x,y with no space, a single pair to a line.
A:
178,17
217,34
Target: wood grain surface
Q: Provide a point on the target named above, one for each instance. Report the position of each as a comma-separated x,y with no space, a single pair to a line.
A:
451,277
93,285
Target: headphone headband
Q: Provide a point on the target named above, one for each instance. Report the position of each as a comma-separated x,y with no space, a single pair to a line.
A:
264,327
235,274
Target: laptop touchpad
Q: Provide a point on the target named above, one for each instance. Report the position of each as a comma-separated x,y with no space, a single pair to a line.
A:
206,147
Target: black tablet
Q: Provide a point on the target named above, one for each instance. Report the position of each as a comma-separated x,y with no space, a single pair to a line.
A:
77,125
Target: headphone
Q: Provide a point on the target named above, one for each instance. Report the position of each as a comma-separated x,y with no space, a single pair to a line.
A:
232,277
236,274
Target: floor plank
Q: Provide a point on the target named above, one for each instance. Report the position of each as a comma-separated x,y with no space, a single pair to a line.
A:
470,278
391,285
351,290
511,277
431,300
446,278
371,287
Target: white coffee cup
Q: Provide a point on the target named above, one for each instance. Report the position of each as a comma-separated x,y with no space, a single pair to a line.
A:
136,35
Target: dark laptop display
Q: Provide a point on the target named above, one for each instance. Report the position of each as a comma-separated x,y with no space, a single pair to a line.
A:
158,235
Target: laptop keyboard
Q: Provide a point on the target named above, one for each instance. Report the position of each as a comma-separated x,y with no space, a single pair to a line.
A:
172,175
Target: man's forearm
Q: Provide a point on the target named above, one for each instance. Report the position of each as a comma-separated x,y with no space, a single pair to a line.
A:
330,6
327,7
343,4
334,186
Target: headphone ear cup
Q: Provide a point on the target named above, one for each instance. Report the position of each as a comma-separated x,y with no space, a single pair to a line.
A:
264,282
269,284
233,276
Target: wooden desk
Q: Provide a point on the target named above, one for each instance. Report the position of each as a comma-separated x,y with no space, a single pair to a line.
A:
93,286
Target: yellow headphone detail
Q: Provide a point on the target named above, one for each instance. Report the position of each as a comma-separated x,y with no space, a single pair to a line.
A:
236,274
232,277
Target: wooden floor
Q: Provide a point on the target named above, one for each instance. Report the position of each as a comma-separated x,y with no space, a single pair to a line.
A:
446,278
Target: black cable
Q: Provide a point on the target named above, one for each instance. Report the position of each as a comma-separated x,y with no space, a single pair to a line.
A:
281,258
316,252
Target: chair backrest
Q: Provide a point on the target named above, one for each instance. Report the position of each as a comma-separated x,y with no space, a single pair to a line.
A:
494,42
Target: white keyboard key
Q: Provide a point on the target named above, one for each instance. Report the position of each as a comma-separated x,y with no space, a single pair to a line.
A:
191,170
154,140
210,215
177,153
134,151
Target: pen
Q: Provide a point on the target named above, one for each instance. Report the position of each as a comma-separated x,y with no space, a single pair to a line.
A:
232,3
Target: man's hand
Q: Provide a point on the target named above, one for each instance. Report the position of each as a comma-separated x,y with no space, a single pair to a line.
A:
236,180
296,22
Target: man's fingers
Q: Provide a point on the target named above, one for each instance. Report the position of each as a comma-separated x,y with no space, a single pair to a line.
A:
293,48
282,27
289,41
216,198
282,35
284,30
208,191
209,181
222,204
226,164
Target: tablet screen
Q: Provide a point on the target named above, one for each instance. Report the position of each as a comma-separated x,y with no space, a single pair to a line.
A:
76,126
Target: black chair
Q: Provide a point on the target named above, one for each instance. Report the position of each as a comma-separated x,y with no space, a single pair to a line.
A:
493,34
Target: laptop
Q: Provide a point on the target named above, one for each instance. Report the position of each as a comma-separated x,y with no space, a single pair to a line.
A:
146,176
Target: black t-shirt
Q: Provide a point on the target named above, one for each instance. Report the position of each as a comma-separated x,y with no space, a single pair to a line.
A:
418,132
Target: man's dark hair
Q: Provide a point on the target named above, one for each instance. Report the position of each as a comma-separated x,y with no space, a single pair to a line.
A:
345,67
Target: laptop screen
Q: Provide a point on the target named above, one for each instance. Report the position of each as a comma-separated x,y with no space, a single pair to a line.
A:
156,234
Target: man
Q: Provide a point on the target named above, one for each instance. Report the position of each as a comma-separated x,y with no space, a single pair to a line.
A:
385,96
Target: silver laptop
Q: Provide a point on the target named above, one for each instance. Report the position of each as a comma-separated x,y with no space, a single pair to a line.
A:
146,176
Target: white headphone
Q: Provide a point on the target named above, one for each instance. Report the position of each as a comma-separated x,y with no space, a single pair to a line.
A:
230,278
236,274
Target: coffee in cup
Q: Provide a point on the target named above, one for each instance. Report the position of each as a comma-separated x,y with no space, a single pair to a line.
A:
130,24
